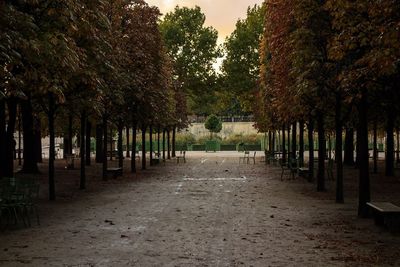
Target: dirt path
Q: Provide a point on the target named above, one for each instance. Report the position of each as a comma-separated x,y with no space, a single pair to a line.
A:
210,211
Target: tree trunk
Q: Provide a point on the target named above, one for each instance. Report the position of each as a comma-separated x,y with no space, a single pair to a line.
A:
3,134
158,141
294,140
169,144
65,144
397,146
143,147
283,145
19,139
10,142
134,144
321,153
375,156
52,190
289,154
329,146
269,141
105,141
389,160
88,142
273,142
151,144
301,143
349,147
128,154
70,133
30,162
338,150
38,139
279,141
174,142
99,143
357,150
311,150
163,145
68,138
111,143
364,184
120,151
82,152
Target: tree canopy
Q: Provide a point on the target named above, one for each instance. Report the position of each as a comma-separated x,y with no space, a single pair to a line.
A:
193,50
240,68
213,124
101,61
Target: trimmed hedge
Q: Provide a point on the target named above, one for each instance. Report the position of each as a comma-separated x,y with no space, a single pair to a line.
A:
228,147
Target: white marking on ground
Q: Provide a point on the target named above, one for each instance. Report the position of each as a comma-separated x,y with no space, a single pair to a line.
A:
203,160
243,178
178,189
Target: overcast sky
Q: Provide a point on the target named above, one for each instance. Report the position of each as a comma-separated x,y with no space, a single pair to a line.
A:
221,14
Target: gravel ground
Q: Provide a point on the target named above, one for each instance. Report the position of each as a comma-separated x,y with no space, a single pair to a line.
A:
210,211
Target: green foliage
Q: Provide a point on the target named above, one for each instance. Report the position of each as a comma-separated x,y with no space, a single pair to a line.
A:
252,139
204,139
185,138
213,124
193,50
241,65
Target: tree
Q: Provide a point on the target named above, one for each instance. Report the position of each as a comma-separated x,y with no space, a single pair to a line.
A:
213,124
240,68
193,50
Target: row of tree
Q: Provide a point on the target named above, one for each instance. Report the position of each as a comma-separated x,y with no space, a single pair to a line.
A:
336,64
68,65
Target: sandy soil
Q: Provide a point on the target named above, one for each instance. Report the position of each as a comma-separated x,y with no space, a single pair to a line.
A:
210,211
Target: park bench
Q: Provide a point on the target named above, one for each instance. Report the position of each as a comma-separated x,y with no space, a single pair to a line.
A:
114,171
386,214
182,155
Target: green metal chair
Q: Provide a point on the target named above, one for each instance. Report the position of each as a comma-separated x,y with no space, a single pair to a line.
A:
30,201
18,199
10,201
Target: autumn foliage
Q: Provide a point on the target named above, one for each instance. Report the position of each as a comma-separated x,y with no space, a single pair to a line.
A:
335,62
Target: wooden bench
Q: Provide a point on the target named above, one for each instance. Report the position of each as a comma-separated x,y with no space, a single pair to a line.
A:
115,172
386,214
182,155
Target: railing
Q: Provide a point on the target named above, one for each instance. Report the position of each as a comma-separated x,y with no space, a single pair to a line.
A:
201,119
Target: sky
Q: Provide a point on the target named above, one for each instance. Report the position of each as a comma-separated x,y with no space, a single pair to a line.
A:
220,14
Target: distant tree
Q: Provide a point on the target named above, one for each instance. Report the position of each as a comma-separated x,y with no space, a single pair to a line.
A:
193,50
241,67
213,124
